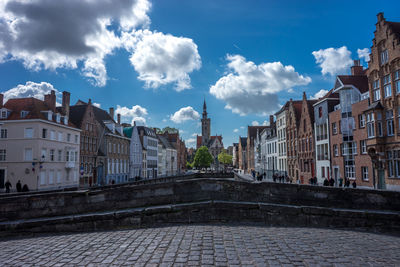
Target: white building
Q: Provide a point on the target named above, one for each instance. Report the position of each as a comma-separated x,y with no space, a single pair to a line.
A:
136,154
149,141
271,157
167,157
38,146
281,139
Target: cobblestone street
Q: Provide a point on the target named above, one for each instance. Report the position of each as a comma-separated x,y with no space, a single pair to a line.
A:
206,245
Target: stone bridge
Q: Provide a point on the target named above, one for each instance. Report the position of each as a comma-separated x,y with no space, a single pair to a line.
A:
200,199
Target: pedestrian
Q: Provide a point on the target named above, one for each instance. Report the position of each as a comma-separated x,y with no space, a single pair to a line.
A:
347,183
18,186
25,188
274,177
7,185
315,180
326,182
331,182
354,184
340,182
264,175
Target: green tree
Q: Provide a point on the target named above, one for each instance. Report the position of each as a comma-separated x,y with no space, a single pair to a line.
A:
203,158
189,165
224,158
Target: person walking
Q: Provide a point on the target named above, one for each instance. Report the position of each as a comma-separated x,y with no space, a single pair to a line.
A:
25,188
326,182
7,185
354,184
331,182
18,186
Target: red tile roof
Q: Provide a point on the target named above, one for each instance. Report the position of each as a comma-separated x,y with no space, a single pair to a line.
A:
33,106
200,139
358,81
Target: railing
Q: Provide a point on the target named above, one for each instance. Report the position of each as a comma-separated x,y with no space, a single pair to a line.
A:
70,164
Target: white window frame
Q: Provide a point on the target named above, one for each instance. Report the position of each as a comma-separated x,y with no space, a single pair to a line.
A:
25,154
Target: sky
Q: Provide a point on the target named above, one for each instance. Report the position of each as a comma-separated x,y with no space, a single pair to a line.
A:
156,61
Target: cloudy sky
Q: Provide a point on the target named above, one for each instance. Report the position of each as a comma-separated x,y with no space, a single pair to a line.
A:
155,61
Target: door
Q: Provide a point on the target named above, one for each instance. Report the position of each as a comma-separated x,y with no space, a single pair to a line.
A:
99,174
381,179
336,174
2,178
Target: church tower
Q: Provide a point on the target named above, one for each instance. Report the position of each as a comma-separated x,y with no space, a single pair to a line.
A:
205,126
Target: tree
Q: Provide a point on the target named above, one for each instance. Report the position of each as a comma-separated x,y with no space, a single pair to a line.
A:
167,129
189,165
224,158
203,158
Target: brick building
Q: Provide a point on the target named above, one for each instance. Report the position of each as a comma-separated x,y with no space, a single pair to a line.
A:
242,154
306,148
348,131
384,112
81,114
180,147
292,122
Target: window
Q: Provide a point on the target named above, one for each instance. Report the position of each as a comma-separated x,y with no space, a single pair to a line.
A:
334,128
68,137
51,154
335,151
390,163
28,133
361,121
389,122
3,133
387,87
350,171
59,158
320,112
28,154
58,118
58,177
376,90
370,125
3,154
364,172
397,81
363,145
60,136
52,135
43,154
24,113
384,57
44,133
76,139
51,177
42,178
4,114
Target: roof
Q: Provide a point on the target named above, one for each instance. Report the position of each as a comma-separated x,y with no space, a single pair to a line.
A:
147,131
375,105
200,139
252,130
297,105
34,107
164,141
284,107
310,104
128,131
76,114
395,26
101,115
358,81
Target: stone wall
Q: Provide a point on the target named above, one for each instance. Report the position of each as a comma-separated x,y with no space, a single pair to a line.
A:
190,191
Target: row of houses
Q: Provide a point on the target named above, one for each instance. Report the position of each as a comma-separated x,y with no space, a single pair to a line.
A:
353,132
50,147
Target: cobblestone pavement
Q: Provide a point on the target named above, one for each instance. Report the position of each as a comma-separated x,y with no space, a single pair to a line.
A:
217,245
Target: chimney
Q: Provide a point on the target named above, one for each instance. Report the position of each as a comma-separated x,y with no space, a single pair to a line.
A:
112,113
357,69
1,100
119,118
50,100
380,16
271,120
65,103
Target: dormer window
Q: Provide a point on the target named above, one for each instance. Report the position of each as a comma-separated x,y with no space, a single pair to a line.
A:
65,120
24,113
48,114
58,117
4,113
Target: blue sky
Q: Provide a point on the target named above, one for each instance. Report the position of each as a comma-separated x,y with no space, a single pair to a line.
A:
164,57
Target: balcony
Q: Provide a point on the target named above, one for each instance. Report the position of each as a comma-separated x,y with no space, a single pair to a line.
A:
70,164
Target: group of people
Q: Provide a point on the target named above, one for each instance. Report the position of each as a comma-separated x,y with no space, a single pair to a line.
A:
18,186
331,182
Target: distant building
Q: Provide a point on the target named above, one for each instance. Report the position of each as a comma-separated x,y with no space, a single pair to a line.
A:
149,141
167,157
136,152
281,118
235,155
179,145
292,128
242,152
251,136
322,108
39,145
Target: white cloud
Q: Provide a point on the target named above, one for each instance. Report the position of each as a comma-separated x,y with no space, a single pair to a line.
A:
255,123
236,130
185,114
191,142
45,34
319,94
136,114
333,60
80,34
162,58
241,127
195,134
363,53
30,89
96,105
250,88
164,120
